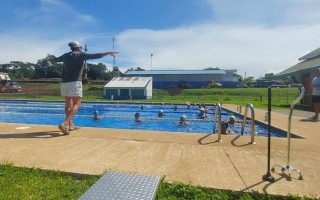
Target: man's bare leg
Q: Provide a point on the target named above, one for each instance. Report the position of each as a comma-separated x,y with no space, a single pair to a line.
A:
317,110
76,102
67,109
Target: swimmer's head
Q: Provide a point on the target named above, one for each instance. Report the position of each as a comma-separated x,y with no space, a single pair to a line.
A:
137,115
183,118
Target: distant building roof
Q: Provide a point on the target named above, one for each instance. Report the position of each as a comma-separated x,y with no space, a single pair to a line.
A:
129,82
160,72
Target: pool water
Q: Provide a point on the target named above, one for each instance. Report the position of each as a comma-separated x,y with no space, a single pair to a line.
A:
121,116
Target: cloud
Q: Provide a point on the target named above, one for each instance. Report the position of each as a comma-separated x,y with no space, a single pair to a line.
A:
252,49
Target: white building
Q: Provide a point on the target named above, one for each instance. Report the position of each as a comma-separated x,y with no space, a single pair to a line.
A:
130,87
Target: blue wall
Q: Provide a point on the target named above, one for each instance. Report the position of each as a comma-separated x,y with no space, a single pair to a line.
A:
194,84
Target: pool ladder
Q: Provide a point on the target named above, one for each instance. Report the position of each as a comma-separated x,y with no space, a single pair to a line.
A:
249,105
217,115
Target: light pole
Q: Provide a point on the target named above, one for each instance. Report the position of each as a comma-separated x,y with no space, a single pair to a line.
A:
151,60
114,58
85,63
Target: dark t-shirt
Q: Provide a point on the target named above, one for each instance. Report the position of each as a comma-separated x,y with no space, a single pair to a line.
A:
73,64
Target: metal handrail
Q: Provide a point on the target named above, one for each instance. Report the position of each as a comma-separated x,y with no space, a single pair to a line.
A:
249,105
302,90
287,166
217,114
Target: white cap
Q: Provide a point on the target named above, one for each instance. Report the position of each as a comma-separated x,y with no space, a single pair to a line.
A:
74,44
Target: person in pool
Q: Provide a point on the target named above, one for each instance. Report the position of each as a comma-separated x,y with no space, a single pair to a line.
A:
183,120
96,115
232,120
137,117
160,113
224,127
202,114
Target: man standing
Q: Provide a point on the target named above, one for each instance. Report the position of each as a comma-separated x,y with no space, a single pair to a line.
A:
71,86
316,94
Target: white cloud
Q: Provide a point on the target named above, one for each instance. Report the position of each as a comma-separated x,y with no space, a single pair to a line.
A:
256,50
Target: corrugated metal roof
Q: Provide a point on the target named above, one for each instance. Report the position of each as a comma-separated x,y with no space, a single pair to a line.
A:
161,72
128,82
307,65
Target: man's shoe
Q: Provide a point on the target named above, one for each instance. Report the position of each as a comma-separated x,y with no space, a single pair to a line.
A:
64,129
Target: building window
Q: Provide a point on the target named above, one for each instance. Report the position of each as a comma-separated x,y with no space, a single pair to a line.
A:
137,92
111,92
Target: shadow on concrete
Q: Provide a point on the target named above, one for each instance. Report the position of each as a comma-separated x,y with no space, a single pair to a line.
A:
200,141
308,120
233,142
261,182
46,134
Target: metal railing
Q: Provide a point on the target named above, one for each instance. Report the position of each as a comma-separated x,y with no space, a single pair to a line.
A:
249,105
302,90
287,166
217,114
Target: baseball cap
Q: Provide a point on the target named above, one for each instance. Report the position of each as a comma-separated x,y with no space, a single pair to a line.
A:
232,117
74,44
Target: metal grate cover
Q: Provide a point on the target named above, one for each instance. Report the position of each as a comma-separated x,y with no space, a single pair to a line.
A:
123,186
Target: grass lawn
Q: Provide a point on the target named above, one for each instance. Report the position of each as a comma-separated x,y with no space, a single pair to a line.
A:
258,97
32,183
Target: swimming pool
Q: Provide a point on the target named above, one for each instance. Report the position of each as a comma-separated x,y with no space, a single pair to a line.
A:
121,116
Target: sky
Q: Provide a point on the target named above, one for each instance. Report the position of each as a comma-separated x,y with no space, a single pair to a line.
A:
254,37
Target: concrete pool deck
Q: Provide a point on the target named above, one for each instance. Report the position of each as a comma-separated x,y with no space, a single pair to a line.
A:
196,159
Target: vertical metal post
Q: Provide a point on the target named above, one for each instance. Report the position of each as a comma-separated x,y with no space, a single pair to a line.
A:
114,58
85,63
268,176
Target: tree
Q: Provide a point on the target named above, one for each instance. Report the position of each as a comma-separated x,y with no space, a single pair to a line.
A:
46,69
248,80
97,71
20,70
239,77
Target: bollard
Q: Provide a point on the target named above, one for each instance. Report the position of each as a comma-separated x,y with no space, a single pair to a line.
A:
266,117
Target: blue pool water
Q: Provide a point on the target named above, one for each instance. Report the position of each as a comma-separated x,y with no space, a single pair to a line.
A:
121,116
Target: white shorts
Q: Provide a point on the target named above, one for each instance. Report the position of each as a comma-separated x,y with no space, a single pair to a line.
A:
71,89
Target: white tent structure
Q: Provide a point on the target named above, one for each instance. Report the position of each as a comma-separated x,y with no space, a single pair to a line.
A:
130,87
4,76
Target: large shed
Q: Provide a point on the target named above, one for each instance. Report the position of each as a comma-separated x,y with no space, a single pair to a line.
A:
130,87
163,79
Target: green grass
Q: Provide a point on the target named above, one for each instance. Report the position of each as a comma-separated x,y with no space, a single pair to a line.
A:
33,183
25,183
280,97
